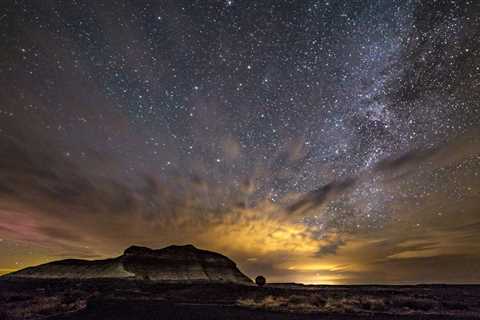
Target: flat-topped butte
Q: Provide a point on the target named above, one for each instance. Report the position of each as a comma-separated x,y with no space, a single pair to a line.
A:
174,263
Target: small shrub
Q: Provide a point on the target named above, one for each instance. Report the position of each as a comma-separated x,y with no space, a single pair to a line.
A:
373,304
272,302
247,302
260,280
269,302
317,300
414,304
297,299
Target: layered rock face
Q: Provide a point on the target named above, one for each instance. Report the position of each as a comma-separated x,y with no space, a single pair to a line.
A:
173,263
181,263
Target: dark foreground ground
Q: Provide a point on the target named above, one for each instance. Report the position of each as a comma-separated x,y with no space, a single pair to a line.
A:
132,299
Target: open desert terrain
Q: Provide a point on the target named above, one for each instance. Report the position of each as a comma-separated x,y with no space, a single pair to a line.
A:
61,299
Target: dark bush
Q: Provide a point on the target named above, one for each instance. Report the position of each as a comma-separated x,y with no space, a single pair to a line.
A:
260,280
297,299
414,304
373,304
317,300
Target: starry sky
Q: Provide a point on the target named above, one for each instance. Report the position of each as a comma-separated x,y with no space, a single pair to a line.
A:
310,141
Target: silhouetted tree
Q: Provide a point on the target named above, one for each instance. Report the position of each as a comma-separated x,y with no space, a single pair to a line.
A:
260,280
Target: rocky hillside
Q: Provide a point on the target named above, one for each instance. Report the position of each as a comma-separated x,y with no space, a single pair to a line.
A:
173,263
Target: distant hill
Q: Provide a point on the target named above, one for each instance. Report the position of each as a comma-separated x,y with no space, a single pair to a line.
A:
174,263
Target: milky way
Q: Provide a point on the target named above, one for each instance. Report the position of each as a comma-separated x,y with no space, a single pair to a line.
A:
332,121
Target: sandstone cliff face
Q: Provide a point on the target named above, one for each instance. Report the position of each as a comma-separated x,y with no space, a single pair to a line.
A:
181,263
173,263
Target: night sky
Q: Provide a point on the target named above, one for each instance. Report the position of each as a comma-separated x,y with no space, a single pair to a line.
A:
310,141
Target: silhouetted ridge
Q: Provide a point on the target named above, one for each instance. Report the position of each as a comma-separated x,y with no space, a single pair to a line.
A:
172,263
137,250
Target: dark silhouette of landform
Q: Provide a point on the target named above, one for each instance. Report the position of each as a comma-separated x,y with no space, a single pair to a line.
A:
173,263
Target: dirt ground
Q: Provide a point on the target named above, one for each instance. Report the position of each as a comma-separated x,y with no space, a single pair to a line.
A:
133,299
166,310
